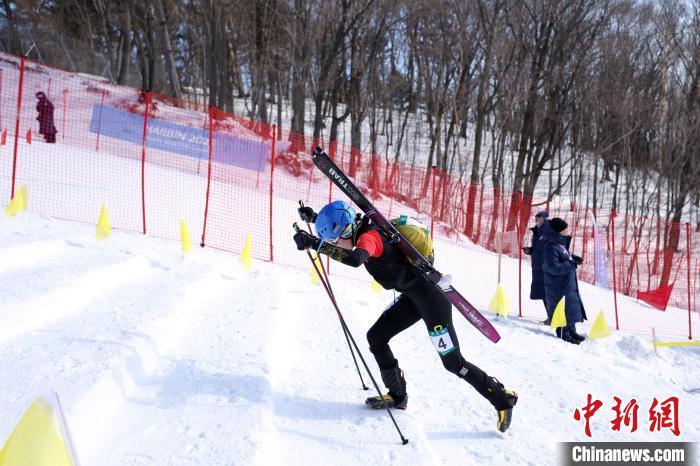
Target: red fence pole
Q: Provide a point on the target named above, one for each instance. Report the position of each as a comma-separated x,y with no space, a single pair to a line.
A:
475,238
99,121
520,256
206,199
1,128
687,240
432,207
585,242
444,198
612,227
333,146
19,108
272,172
143,159
65,94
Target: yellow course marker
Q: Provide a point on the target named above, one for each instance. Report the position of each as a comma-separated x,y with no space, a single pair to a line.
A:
670,343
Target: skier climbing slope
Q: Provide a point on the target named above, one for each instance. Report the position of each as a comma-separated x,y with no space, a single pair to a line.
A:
353,240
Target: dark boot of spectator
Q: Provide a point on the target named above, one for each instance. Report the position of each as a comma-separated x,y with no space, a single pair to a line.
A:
574,334
568,335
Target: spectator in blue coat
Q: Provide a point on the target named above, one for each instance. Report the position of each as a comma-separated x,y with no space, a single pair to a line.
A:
535,253
559,267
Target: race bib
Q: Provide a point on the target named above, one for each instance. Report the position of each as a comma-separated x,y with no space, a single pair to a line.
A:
441,340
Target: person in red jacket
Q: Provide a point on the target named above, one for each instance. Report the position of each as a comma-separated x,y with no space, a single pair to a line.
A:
353,240
45,109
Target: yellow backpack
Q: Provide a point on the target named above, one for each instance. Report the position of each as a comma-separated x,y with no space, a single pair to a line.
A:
417,234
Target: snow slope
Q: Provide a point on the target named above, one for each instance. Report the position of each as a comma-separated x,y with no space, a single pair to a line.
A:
166,359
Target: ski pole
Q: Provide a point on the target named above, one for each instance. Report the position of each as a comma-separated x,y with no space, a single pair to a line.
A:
327,285
404,440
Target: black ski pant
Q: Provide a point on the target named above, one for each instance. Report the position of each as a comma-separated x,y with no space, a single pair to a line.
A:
423,301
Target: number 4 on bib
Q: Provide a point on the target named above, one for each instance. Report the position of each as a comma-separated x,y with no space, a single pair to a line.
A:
441,340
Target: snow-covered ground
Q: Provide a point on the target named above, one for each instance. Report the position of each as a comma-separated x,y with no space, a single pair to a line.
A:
171,359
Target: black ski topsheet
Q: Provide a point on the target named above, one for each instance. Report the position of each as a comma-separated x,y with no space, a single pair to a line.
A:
331,170
336,175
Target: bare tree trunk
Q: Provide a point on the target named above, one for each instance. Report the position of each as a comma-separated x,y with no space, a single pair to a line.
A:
262,11
300,72
67,52
355,102
481,113
211,40
12,45
145,55
235,63
167,48
125,49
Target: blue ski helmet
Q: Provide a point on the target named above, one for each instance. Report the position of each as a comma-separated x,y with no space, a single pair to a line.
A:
333,220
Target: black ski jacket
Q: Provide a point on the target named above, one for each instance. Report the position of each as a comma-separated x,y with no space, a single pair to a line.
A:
392,269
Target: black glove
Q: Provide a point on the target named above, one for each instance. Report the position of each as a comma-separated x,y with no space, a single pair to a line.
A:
527,250
307,214
318,151
306,241
577,259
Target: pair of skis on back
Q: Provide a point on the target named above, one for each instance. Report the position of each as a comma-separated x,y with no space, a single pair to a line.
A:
442,282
